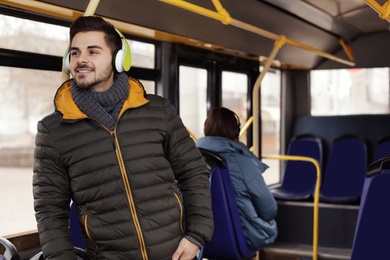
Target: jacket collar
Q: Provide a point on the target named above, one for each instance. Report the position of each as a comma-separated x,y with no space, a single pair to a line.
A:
65,104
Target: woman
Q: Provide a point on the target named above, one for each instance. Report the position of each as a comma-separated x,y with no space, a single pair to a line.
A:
256,205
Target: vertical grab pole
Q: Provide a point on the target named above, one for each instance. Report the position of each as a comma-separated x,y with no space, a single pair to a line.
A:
255,93
91,8
316,193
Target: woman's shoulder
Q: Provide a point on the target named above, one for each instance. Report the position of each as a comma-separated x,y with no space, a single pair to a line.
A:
213,143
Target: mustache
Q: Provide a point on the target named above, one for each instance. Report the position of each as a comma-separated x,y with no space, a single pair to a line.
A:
83,66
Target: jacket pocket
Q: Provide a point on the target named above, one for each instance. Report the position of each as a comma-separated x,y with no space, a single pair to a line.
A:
87,231
178,198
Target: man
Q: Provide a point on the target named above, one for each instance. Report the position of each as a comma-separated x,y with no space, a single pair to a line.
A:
124,157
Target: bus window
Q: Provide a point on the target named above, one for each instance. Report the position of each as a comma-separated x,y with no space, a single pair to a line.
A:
27,96
38,37
350,91
235,95
149,85
270,123
193,98
143,54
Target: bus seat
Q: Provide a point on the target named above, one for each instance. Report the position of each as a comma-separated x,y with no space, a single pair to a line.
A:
345,170
228,241
80,253
299,177
10,252
382,148
373,226
75,230
75,235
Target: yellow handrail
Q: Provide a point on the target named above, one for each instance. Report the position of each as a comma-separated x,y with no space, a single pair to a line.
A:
223,16
246,126
382,10
256,97
316,190
91,8
316,193
191,134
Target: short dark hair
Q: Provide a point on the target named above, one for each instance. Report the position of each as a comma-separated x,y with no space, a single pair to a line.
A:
222,122
95,23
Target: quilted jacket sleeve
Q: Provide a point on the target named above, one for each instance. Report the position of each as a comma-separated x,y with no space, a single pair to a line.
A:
192,176
51,198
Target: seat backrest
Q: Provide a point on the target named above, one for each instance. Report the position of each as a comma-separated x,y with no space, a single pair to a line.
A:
345,171
299,177
373,223
76,236
228,241
382,148
10,252
75,230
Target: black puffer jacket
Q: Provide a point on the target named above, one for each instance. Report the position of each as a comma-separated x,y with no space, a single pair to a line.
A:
138,189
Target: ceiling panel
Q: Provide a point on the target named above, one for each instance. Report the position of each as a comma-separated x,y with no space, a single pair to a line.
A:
316,23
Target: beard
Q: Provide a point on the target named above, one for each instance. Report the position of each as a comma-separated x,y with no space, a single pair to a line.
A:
93,79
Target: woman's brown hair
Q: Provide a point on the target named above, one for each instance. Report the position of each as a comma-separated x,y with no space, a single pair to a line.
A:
222,122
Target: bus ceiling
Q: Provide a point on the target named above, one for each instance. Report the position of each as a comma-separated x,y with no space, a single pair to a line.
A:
331,27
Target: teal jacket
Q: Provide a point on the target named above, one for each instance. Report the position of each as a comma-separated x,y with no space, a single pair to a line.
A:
256,205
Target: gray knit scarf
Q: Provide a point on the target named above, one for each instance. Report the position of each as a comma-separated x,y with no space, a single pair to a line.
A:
103,106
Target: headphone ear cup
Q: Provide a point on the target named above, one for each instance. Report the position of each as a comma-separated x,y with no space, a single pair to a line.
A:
66,62
127,58
238,131
123,57
118,60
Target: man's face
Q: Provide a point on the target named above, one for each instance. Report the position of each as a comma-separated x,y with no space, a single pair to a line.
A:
91,61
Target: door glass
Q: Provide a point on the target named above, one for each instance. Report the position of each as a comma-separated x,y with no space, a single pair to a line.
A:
193,98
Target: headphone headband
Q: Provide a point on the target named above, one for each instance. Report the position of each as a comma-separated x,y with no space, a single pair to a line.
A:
238,125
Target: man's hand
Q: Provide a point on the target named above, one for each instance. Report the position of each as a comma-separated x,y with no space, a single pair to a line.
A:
185,251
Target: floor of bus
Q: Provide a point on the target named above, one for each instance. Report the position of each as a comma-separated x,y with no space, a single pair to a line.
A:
290,251
335,234
278,251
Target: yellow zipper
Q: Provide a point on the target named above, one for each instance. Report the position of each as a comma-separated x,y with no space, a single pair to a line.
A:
85,222
181,212
130,199
128,195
